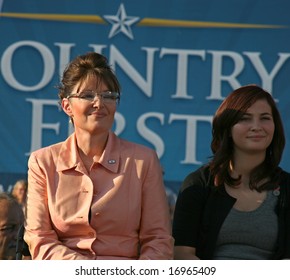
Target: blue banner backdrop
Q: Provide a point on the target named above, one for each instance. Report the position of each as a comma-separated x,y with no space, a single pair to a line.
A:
176,61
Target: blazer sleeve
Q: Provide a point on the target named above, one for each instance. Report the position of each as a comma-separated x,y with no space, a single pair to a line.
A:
39,234
156,242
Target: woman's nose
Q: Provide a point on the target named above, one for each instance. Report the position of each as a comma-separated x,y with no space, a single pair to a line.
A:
98,101
256,125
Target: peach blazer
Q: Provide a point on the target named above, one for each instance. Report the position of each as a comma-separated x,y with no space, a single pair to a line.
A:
118,210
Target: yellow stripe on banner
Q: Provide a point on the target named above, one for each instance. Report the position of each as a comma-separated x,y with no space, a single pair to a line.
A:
201,24
57,17
144,22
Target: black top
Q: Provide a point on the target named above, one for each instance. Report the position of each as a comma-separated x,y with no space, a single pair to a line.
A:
201,209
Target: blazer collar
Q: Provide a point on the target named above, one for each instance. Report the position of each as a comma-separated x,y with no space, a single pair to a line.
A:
69,158
110,158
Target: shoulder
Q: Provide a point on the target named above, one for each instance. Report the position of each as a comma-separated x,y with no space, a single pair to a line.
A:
195,188
45,153
200,177
197,184
136,149
284,189
285,173
284,177
46,150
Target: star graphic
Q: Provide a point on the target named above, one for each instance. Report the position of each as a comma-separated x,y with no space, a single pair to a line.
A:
121,23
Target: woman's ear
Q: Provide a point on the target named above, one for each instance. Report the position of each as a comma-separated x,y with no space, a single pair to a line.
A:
66,106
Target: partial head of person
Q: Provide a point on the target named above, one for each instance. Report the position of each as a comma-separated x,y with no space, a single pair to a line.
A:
19,191
247,121
89,92
11,218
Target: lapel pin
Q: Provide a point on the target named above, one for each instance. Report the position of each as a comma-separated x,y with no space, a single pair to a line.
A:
276,191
